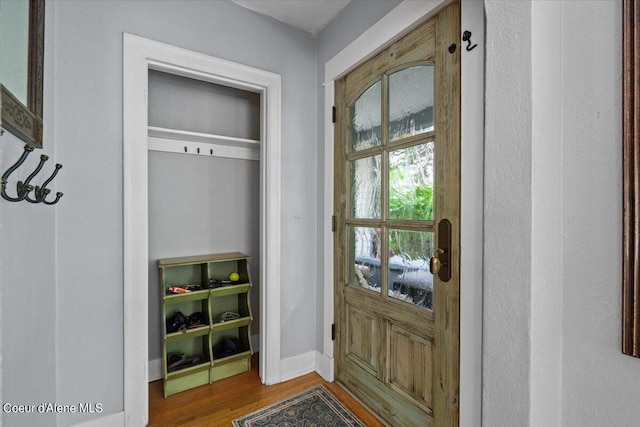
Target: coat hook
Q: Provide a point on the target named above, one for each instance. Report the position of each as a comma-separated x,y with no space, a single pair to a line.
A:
42,192
466,37
5,177
24,187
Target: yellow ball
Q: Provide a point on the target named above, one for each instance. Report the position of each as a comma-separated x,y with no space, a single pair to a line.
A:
234,277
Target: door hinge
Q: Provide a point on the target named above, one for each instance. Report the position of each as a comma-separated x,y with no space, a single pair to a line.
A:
333,114
333,332
333,223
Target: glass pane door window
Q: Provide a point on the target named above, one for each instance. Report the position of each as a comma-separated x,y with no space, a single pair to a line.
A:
392,179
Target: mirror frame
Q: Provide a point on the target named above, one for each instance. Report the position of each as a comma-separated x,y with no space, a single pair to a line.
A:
25,121
631,178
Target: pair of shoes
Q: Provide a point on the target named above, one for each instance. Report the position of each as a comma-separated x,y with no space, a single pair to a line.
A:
180,322
228,347
177,322
177,361
226,316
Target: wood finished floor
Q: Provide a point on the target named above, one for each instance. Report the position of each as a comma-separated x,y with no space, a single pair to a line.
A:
219,403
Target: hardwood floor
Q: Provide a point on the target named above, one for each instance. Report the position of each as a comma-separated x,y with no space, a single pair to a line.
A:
219,403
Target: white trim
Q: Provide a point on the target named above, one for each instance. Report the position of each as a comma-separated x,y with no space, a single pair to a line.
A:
472,220
401,20
155,370
328,320
202,144
139,55
394,25
297,366
324,366
113,420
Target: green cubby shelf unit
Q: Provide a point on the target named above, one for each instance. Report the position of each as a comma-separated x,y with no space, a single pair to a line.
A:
200,344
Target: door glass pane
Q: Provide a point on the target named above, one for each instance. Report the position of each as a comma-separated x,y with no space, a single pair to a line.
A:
410,101
365,187
364,257
366,118
411,182
410,279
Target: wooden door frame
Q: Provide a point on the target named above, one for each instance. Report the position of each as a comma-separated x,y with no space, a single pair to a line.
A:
402,19
140,55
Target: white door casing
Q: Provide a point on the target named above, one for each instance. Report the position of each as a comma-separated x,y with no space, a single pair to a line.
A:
140,55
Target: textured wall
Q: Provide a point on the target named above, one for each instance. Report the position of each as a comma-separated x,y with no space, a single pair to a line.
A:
601,386
553,218
507,213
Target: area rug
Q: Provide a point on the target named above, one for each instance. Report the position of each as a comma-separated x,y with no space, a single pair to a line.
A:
315,407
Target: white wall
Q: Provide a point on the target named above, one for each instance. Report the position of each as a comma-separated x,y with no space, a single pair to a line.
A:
553,218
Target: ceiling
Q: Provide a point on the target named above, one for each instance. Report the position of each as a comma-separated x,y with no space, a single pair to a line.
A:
309,15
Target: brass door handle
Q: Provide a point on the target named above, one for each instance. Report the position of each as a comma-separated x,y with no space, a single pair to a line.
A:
435,265
439,263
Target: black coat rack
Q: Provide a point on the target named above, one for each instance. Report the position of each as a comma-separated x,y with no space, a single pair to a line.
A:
23,189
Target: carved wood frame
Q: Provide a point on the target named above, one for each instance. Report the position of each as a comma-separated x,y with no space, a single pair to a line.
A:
25,121
631,178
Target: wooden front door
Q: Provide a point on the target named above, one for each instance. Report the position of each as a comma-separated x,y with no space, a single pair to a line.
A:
397,206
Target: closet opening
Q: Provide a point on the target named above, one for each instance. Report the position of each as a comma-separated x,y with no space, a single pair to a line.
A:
141,57
204,211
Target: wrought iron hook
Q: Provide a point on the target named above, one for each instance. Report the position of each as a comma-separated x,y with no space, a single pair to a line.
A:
42,192
466,37
25,187
5,177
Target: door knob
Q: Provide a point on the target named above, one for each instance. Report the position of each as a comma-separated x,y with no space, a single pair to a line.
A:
439,263
435,265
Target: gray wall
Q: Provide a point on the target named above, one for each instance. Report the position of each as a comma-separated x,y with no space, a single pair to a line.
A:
201,205
356,18
28,280
80,315
67,260
28,273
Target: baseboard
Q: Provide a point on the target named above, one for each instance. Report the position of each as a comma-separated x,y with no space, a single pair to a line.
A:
297,366
114,420
324,366
255,343
155,366
154,370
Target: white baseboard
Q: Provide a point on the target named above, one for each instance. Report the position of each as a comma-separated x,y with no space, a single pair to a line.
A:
324,366
302,364
155,366
297,366
255,343
154,370
114,420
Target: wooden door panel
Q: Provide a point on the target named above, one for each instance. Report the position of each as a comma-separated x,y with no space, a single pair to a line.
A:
395,408
411,366
363,339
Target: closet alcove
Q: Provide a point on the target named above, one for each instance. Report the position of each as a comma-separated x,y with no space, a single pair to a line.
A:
204,182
